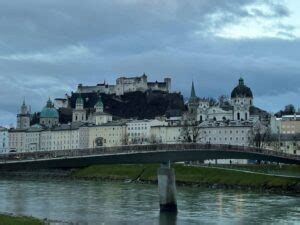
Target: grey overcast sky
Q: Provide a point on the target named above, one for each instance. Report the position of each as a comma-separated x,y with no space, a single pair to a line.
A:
47,47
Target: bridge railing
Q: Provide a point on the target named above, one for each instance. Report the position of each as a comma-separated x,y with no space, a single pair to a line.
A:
140,148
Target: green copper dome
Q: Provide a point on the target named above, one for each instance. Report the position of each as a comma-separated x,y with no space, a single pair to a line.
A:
49,111
99,103
241,91
79,100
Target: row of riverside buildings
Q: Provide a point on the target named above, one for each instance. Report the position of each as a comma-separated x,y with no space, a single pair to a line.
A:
233,120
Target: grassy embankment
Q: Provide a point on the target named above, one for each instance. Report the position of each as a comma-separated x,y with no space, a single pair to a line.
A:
190,175
14,220
287,170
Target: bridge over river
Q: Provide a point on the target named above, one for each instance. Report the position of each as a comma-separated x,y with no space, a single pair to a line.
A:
128,154
156,153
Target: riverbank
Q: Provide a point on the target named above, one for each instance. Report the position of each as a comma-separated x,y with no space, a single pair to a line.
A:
192,176
19,220
272,169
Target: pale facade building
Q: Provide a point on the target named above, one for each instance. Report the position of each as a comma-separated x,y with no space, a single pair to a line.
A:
287,124
84,136
288,143
139,131
4,140
166,134
16,140
216,113
46,140
33,138
232,133
65,137
107,135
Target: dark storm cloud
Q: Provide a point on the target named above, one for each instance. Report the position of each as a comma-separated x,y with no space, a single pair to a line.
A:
48,47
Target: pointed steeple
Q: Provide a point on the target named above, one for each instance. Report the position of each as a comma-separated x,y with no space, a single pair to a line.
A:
24,108
24,102
193,93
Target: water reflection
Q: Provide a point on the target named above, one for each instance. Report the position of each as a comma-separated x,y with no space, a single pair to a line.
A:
167,218
220,203
91,202
238,203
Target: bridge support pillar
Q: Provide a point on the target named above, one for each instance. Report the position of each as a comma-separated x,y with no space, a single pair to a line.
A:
167,188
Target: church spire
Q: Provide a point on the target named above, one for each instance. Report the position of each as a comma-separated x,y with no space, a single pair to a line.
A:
193,93
24,108
24,101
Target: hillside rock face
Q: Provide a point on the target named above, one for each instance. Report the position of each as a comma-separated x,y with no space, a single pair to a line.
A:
139,105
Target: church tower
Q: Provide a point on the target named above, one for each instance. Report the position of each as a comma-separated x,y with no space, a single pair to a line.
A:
100,117
242,100
193,102
99,106
23,118
79,113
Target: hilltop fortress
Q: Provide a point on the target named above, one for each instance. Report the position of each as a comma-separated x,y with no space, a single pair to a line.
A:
126,85
130,97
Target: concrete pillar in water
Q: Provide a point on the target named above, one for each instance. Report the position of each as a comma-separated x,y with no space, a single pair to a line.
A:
167,188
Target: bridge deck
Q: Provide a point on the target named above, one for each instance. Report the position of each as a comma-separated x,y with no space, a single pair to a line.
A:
140,154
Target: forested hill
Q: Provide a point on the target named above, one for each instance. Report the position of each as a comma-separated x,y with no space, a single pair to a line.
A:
140,105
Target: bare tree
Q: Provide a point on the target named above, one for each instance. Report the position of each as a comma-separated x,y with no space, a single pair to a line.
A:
185,134
288,110
153,139
125,139
195,132
259,135
223,99
190,132
212,101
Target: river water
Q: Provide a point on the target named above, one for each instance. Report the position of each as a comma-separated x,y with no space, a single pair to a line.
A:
96,202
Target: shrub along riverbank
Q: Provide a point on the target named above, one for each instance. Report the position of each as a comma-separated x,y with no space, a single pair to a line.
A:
19,220
192,176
